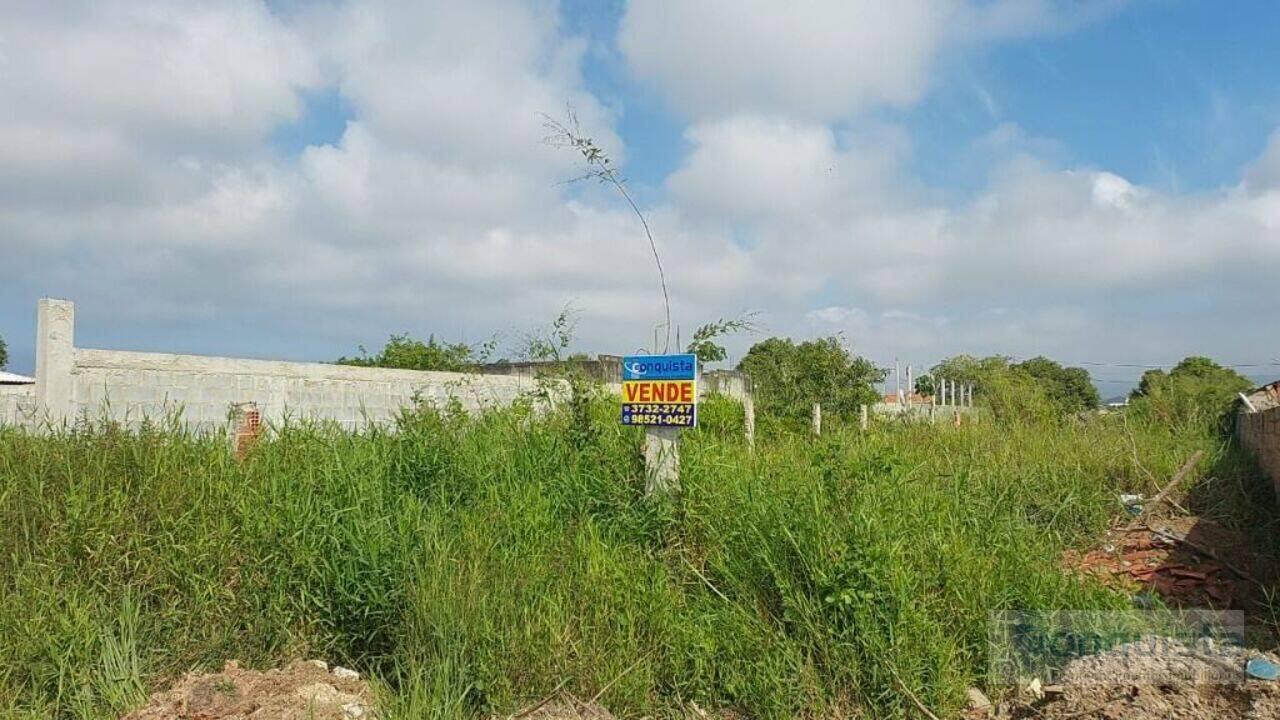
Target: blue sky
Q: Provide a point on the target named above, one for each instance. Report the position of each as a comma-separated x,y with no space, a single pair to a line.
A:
1096,181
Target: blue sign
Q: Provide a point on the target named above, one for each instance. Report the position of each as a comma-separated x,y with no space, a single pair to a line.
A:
660,390
660,367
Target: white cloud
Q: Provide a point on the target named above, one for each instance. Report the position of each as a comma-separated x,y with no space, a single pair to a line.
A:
103,100
137,175
819,60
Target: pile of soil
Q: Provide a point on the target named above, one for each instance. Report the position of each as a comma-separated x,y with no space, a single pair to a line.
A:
305,690
1173,682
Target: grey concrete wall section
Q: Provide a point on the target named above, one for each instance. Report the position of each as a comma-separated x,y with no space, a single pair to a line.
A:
55,359
131,386
74,383
729,383
17,405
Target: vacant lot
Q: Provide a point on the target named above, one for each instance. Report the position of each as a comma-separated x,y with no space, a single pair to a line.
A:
473,564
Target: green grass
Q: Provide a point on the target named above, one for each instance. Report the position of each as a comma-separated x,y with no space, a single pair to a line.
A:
473,564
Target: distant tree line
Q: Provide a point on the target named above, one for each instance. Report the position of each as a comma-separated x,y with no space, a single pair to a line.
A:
407,353
789,377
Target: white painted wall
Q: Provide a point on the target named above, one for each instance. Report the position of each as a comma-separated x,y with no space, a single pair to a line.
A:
130,387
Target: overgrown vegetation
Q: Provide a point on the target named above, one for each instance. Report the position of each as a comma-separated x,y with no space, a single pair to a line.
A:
1192,392
1039,387
407,353
474,563
788,377
704,342
4,354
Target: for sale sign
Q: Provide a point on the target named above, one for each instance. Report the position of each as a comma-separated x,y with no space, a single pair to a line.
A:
660,390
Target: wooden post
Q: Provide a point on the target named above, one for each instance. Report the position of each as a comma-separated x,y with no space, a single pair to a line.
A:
897,380
862,417
661,461
817,418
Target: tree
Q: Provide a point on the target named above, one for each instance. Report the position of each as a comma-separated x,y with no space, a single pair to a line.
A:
970,370
788,378
704,343
1069,388
1195,389
4,354
924,385
402,351
1038,388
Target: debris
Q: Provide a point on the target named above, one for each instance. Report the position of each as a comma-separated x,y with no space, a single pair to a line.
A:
304,690
1132,504
1262,669
345,673
1157,678
1164,491
978,702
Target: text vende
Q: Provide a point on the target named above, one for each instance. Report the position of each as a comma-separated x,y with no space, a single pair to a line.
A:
663,391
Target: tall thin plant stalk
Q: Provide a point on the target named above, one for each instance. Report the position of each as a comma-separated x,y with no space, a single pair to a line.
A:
600,167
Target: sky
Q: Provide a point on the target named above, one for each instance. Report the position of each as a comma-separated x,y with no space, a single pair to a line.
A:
1097,181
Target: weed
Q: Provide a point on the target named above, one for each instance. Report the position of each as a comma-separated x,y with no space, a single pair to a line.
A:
474,563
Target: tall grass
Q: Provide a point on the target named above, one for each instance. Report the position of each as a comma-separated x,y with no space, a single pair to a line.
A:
473,564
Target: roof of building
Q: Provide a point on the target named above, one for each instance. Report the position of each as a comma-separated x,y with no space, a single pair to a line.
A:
7,378
1265,396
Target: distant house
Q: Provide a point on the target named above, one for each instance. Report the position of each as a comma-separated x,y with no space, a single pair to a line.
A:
7,378
1264,397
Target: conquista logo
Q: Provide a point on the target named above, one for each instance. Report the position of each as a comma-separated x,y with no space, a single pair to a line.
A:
641,368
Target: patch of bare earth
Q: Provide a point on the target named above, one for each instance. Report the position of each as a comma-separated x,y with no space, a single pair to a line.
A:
1164,680
305,690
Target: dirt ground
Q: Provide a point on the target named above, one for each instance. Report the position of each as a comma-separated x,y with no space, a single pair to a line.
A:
1179,561
1130,682
305,690
1189,562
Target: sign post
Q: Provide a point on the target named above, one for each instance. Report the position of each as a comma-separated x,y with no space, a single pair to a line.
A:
660,393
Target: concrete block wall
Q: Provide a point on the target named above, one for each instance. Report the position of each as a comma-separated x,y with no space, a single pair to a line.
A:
17,405
1260,433
131,387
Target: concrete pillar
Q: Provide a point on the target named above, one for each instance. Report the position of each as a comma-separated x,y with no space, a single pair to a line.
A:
817,418
661,461
55,359
749,420
862,416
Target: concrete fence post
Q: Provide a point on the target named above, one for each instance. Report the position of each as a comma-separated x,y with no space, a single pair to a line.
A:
661,461
749,420
55,359
817,418
862,416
